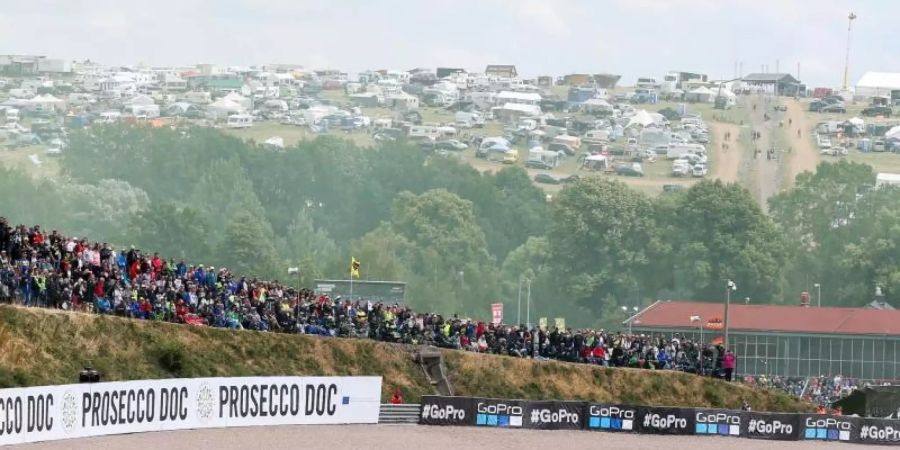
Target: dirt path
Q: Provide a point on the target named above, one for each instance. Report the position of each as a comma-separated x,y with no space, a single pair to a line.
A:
803,156
764,172
725,160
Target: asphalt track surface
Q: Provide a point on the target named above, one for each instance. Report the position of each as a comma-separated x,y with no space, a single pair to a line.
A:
392,437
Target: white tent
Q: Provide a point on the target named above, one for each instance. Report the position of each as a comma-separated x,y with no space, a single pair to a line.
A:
642,118
893,133
223,107
47,101
596,162
701,94
275,142
239,99
140,100
857,122
873,84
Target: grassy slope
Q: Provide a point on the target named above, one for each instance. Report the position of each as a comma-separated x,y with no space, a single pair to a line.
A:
46,347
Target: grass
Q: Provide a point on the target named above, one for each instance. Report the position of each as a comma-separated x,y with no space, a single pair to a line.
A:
49,347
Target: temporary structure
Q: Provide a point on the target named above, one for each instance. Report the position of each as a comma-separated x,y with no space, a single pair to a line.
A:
222,108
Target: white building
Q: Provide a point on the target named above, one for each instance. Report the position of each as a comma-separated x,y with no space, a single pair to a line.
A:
519,98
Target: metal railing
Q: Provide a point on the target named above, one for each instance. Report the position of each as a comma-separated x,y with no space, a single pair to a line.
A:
405,413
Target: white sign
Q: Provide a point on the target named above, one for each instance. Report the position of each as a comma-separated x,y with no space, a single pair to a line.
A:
497,313
80,410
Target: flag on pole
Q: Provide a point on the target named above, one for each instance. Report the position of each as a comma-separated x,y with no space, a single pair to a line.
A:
695,318
354,267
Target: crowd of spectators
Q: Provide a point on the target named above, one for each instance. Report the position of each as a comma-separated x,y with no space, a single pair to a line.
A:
791,385
825,390
51,270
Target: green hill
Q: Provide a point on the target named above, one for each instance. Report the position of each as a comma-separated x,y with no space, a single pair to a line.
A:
51,347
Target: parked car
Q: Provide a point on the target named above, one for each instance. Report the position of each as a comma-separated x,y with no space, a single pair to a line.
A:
538,164
546,178
570,179
877,111
681,168
835,108
629,169
556,147
672,187
699,170
451,144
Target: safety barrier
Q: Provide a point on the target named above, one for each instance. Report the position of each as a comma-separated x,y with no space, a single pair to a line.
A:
406,413
559,415
95,409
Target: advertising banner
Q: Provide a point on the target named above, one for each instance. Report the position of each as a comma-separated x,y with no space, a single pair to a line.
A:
665,420
437,410
719,422
820,427
553,415
490,412
773,426
601,417
878,431
496,313
82,410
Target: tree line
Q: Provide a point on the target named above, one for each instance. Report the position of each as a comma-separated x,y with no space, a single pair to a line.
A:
463,239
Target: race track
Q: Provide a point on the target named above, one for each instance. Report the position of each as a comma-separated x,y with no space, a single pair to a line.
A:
391,437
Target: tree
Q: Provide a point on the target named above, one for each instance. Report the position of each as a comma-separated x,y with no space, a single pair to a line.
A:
838,226
225,191
449,248
173,231
247,248
603,241
309,248
720,233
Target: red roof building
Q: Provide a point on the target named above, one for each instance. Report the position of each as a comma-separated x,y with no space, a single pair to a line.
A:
788,340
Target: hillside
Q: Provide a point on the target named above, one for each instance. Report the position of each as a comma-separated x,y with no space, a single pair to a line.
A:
50,347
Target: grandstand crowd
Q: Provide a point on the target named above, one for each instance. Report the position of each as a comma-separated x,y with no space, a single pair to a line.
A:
50,270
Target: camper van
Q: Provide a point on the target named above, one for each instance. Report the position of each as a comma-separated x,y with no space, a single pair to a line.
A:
424,131
109,117
240,121
677,151
469,119
596,136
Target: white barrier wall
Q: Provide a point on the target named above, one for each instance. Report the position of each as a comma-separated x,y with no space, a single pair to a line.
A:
80,410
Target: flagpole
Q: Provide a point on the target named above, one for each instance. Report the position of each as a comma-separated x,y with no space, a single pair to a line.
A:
351,281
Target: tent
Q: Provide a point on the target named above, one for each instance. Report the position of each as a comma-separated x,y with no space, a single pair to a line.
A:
596,162
596,104
239,99
140,100
642,118
47,101
274,142
893,133
701,94
223,108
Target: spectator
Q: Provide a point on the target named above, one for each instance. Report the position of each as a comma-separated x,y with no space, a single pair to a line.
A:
728,364
397,398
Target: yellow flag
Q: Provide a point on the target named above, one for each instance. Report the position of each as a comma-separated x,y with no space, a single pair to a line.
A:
354,267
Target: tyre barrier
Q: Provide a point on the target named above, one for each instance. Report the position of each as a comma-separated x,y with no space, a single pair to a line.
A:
565,415
393,414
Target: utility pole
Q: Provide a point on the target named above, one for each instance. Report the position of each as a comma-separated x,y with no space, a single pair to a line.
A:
528,305
730,286
846,83
519,304
818,294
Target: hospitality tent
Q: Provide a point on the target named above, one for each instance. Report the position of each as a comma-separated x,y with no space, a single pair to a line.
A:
46,101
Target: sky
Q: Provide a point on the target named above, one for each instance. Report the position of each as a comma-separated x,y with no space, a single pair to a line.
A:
541,37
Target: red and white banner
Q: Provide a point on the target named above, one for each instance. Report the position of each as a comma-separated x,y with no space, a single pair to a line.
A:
497,313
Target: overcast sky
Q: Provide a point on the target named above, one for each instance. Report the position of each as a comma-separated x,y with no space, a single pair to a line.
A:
629,37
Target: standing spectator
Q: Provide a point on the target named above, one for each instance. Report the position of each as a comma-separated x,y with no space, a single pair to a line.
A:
728,363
